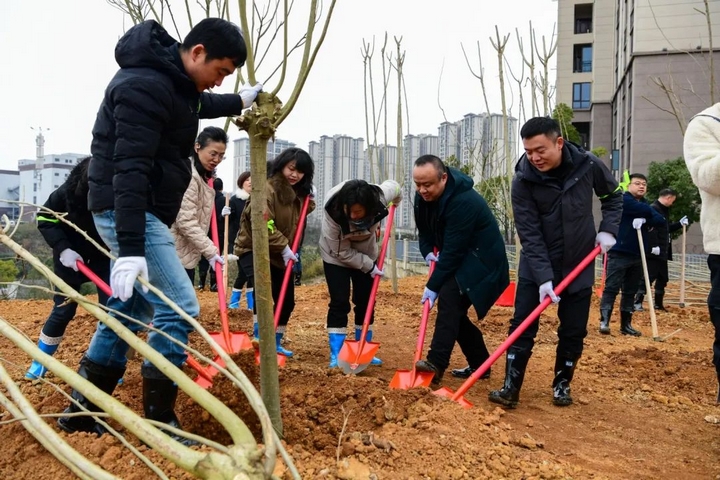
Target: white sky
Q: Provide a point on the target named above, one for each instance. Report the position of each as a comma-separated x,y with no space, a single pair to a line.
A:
61,54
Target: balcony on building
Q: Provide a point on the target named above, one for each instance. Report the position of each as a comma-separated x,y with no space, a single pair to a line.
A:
582,58
583,18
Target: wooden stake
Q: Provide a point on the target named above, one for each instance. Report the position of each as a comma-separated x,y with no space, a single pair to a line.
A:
651,307
682,269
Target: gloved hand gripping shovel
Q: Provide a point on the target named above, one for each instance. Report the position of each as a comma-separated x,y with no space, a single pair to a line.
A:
356,355
407,379
534,315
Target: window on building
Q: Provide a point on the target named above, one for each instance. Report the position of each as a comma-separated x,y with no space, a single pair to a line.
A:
583,18
582,58
581,96
57,174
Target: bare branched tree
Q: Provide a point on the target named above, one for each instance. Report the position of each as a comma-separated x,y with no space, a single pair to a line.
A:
548,51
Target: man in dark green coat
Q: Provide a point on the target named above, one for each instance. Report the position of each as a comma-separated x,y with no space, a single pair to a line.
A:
552,195
471,268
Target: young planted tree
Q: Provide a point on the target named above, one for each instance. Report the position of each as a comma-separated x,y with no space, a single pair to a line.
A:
564,115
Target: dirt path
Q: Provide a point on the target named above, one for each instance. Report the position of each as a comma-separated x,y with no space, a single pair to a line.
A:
639,412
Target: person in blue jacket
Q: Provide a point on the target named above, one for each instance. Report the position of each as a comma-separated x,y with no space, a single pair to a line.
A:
624,266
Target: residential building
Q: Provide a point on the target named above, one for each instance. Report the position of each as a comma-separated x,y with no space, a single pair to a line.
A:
42,176
414,146
241,154
449,140
9,190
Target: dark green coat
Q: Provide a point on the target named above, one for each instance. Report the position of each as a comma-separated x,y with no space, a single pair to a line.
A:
462,227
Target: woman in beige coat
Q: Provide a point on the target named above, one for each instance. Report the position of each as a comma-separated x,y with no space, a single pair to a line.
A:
191,225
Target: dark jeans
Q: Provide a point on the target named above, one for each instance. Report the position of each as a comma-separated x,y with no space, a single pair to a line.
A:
658,273
64,310
713,302
277,276
338,281
623,272
573,312
452,324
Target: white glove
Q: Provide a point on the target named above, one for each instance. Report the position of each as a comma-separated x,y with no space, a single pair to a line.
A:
69,258
376,271
431,257
429,295
288,255
546,290
215,260
225,211
655,250
249,93
123,275
638,223
605,240
684,221
232,257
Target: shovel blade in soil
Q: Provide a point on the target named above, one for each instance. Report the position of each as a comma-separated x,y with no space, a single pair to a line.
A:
407,379
447,393
239,341
281,359
354,359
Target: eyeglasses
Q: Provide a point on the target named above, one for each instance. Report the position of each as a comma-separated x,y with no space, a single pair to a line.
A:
216,155
639,184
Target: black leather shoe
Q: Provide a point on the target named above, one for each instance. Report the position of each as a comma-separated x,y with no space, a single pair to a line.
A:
467,371
425,366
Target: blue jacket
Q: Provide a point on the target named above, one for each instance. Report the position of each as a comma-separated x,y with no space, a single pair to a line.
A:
627,241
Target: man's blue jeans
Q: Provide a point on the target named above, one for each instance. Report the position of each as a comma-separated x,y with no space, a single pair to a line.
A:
167,274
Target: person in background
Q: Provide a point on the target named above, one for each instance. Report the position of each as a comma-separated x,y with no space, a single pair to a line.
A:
701,151
552,200
660,242
352,214
143,135
237,205
290,178
471,268
69,246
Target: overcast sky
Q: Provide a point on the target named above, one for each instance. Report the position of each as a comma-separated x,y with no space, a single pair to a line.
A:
59,57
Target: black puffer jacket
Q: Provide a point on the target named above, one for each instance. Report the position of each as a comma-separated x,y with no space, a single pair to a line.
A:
144,133
553,215
660,236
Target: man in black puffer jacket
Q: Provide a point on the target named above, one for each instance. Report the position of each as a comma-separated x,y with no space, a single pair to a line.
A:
143,136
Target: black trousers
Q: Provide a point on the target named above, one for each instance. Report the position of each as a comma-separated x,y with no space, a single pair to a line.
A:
277,276
658,274
713,302
203,270
241,279
63,310
623,272
573,311
338,281
453,325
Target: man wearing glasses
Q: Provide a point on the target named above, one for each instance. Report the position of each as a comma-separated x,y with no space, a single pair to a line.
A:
624,266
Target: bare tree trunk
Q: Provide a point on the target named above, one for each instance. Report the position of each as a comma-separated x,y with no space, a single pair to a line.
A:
547,53
712,56
399,176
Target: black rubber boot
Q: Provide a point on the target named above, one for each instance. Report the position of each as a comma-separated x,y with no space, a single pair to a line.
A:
106,379
201,284
564,370
626,325
637,303
426,366
467,371
605,314
298,279
515,365
159,396
659,297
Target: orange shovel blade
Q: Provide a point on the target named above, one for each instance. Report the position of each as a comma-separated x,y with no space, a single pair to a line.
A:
407,379
239,341
352,359
281,359
447,393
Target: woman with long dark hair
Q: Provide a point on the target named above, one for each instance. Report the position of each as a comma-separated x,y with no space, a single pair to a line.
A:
290,178
237,205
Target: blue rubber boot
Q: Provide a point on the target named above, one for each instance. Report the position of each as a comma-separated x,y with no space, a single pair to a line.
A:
256,330
36,370
235,299
256,334
250,298
368,338
279,348
336,341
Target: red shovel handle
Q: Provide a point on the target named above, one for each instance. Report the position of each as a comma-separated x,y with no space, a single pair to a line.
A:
525,324
219,273
289,266
424,320
99,282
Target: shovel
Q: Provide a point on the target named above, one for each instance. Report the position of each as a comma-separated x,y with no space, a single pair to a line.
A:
288,274
407,379
599,290
356,355
651,305
534,315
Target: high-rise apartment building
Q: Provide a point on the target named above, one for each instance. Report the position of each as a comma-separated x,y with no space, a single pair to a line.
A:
414,146
241,155
634,72
9,190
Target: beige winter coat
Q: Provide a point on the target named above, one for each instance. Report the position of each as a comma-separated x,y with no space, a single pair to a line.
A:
193,221
701,150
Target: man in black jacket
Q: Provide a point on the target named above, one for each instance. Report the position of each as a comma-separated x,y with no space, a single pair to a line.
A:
660,243
143,136
471,268
552,203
